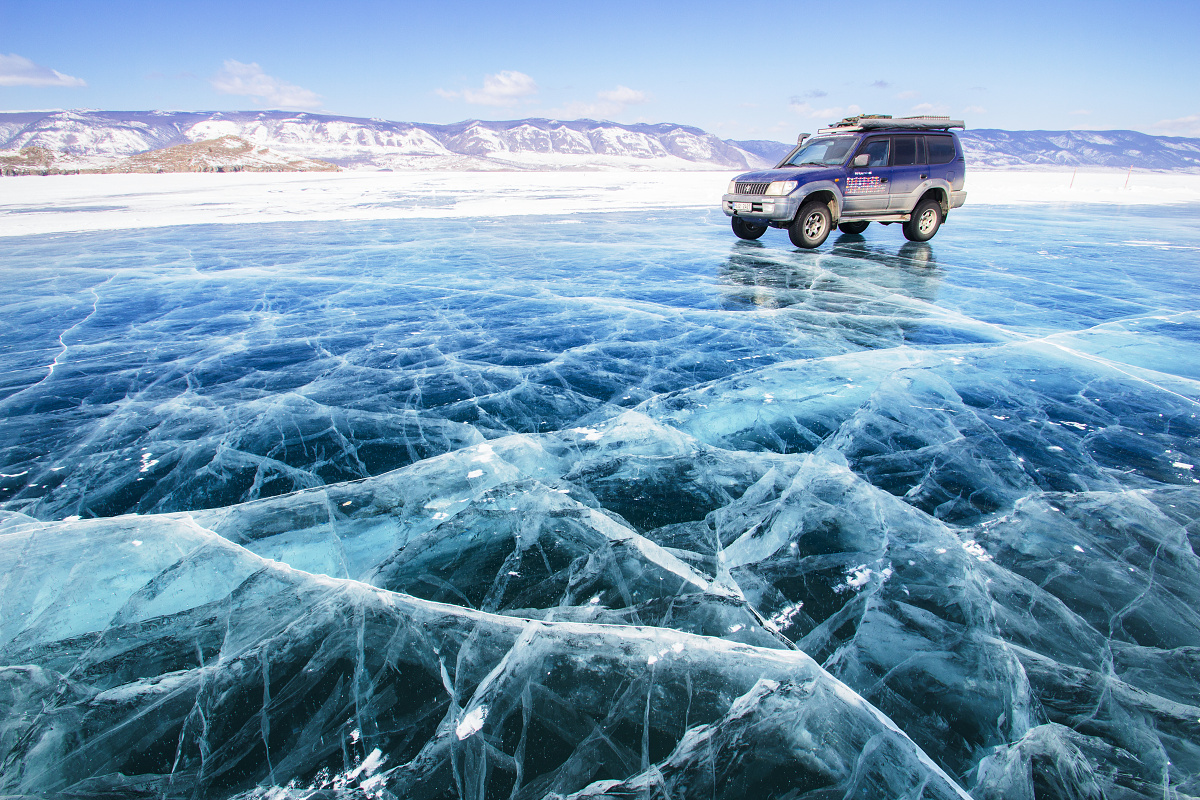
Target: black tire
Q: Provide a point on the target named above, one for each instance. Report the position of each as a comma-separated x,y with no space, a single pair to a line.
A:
746,230
926,219
853,227
811,226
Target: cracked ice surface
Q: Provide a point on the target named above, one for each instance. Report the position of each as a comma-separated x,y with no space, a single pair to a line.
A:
617,508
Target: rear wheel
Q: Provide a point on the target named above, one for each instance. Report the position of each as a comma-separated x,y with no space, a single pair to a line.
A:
811,226
747,230
925,221
853,227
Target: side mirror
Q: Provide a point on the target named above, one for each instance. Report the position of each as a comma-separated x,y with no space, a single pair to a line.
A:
800,139
862,159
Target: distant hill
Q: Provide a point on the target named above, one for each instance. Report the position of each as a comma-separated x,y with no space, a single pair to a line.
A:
356,143
766,149
225,154
99,140
989,147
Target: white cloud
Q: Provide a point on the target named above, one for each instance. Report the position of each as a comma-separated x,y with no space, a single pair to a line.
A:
974,110
17,70
1081,112
928,108
609,103
1183,126
623,95
505,88
832,113
248,80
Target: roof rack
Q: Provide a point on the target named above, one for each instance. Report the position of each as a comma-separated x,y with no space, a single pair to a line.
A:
867,122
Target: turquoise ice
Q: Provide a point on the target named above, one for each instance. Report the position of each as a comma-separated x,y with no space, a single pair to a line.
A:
603,506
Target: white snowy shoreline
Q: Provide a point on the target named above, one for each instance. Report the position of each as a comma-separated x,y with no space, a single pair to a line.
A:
70,203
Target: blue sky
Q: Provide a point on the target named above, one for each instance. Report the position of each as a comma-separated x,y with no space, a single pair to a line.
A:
729,68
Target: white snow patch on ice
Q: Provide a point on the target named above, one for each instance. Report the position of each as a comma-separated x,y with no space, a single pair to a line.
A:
61,203
471,723
974,548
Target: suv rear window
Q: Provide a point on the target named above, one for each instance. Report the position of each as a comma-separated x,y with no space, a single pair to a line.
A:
909,150
941,149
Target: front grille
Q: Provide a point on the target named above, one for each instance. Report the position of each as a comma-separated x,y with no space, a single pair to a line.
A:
751,188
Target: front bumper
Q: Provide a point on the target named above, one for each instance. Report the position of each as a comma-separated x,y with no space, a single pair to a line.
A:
762,208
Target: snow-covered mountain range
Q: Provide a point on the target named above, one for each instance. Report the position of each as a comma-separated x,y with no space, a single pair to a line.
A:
97,139
356,143
997,149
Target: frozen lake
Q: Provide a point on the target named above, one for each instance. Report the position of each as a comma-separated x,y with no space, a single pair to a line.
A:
603,505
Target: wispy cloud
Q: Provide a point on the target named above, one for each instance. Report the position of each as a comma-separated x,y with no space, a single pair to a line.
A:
505,88
17,70
623,95
928,108
249,80
609,103
881,84
811,94
1081,112
831,113
974,110
1182,126
908,95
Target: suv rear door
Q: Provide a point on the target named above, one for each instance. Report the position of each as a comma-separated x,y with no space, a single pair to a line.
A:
909,171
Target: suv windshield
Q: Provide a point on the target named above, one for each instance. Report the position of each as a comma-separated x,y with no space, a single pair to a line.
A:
825,151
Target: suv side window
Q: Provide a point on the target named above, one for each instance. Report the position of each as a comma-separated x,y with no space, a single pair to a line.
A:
908,151
877,149
941,149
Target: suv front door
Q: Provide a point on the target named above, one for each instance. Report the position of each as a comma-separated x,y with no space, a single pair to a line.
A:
866,189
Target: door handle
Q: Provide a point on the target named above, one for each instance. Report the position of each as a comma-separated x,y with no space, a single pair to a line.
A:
883,180
923,177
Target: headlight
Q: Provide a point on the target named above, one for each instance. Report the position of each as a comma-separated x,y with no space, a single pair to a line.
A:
781,187
732,187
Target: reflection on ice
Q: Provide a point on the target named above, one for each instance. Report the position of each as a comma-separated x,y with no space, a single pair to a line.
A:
613,509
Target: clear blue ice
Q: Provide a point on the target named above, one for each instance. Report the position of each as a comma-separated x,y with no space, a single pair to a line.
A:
603,506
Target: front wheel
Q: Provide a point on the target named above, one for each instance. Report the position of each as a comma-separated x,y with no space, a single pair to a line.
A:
746,230
853,227
925,221
811,226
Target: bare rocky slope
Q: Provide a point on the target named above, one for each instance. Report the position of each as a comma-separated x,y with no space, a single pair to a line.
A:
69,141
224,154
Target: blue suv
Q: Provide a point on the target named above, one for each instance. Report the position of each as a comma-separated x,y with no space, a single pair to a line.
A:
861,170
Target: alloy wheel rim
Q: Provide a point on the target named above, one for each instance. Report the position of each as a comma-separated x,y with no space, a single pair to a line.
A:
814,225
926,223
